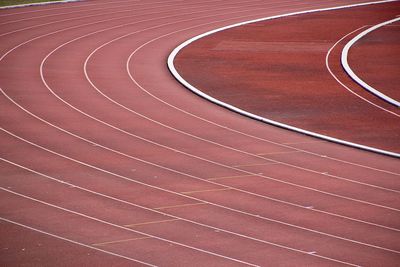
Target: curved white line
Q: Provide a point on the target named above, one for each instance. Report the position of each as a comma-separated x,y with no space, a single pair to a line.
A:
224,127
170,215
125,228
232,188
345,86
118,152
175,73
197,199
176,171
40,4
354,76
74,242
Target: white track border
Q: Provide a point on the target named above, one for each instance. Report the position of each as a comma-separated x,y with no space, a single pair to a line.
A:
39,4
177,76
351,73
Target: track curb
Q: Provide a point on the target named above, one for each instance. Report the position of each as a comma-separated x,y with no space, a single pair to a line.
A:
179,78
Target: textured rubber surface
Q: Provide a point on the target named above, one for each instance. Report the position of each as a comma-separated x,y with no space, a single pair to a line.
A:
107,160
276,71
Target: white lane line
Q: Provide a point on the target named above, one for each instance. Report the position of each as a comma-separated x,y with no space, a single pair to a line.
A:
345,86
127,228
39,4
152,7
354,76
73,12
243,191
186,174
257,138
199,200
242,133
166,214
65,7
197,137
75,242
175,73
107,13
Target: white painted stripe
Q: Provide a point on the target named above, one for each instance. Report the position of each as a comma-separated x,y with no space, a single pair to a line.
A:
175,73
350,72
197,199
126,228
171,215
40,4
237,189
345,86
74,242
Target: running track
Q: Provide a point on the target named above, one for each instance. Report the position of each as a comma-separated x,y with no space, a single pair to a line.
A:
107,160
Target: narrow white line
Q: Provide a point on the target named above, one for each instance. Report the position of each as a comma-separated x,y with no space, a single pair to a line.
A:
126,228
152,7
243,191
191,176
75,242
107,13
40,4
194,136
345,86
175,171
197,199
354,76
167,214
65,7
175,73
244,134
301,206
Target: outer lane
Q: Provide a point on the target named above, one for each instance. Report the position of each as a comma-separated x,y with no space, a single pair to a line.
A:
73,122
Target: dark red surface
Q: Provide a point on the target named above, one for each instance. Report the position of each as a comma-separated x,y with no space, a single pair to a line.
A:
276,69
374,59
162,176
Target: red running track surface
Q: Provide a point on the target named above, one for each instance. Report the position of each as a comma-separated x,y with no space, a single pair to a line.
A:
287,70
374,58
107,160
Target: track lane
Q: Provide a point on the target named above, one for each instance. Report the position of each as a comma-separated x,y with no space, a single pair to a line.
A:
45,248
273,232
385,53
287,117
112,134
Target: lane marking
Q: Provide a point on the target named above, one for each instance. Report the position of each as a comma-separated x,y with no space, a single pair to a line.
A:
180,206
264,197
41,71
230,177
160,212
205,191
39,4
261,139
224,207
306,142
128,229
192,88
75,242
278,153
150,222
345,86
120,241
66,7
101,14
256,164
355,77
